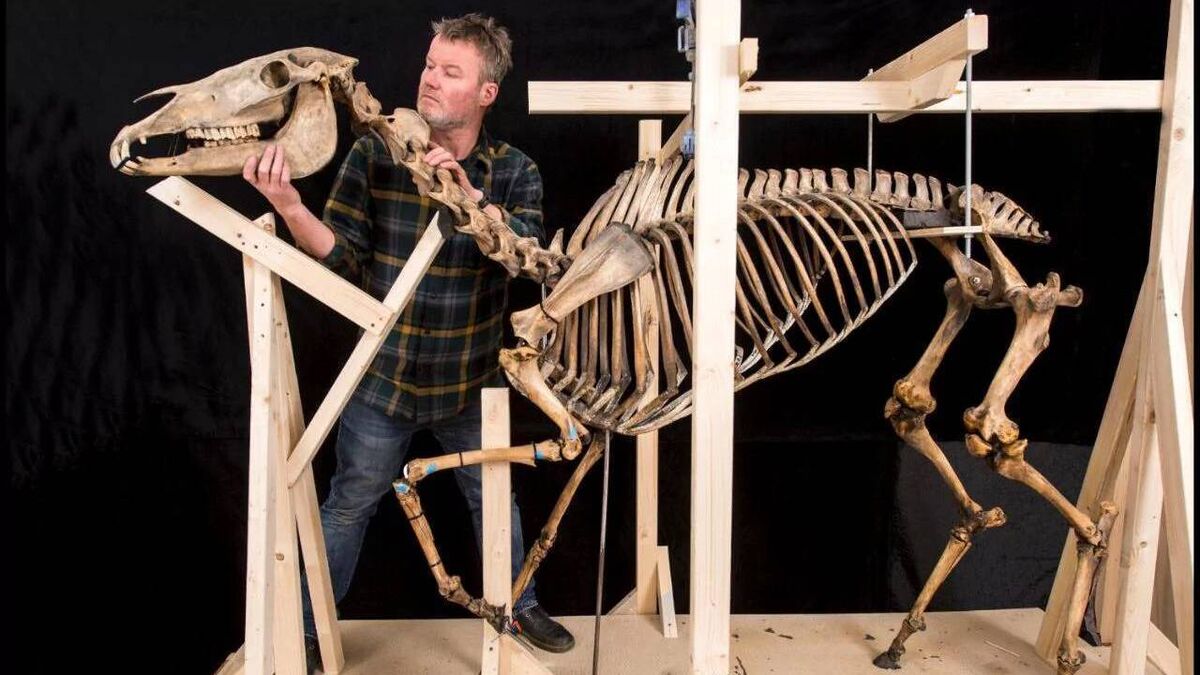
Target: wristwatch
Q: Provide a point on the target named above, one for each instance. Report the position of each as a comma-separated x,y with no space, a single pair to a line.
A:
483,201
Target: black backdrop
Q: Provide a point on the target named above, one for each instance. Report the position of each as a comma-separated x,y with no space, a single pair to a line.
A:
126,373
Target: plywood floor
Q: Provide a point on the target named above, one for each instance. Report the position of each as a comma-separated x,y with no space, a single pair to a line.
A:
985,642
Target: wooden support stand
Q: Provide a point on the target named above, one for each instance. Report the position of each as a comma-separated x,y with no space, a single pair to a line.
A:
1144,451
502,654
283,516
1150,407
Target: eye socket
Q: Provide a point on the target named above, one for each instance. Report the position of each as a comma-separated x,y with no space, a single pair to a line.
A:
275,74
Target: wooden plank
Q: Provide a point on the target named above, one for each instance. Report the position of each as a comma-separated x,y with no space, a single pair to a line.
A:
956,643
717,121
1099,481
649,143
303,499
666,595
1108,574
288,624
747,66
649,138
673,143
260,527
747,59
1162,653
364,352
932,68
1174,417
988,96
966,37
1138,548
1173,213
281,258
497,521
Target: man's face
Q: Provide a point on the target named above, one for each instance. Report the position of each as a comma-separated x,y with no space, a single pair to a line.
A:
452,92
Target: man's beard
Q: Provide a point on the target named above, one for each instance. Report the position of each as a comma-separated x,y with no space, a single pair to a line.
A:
440,121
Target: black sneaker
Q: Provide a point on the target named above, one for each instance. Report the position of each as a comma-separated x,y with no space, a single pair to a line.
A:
312,655
535,626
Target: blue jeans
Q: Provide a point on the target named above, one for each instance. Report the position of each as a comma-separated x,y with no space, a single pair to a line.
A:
371,451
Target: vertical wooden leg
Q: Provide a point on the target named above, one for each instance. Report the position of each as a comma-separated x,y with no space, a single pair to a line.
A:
1139,546
260,543
645,591
497,524
304,517
289,621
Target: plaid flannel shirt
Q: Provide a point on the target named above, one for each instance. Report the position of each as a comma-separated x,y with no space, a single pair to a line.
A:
444,346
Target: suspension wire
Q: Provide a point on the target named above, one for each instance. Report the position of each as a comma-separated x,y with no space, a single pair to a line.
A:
600,571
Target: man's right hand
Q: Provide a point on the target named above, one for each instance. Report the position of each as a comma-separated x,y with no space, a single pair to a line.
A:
269,175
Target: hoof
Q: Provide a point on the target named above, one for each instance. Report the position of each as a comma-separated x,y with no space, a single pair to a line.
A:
887,661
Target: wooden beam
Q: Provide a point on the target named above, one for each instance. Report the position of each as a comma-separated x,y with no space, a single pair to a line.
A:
303,496
1174,414
1104,467
281,258
666,594
758,97
966,37
718,26
264,441
747,66
1138,548
288,628
364,352
497,521
645,575
932,68
1173,213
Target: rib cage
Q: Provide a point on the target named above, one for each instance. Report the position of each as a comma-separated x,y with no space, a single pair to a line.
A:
815,260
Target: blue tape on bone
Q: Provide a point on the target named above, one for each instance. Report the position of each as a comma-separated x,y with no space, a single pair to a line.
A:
571,433
430,468
537,454
401,488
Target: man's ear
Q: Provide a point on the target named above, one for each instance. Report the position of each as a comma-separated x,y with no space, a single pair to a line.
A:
488,93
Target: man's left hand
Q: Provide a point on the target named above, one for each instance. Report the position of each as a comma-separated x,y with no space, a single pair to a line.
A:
440,158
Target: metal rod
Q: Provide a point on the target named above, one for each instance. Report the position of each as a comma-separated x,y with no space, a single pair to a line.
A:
600,572
969,220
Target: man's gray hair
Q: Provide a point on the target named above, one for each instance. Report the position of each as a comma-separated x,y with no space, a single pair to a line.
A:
488,36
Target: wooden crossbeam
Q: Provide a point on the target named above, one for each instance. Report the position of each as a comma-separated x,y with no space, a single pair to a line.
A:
716,121
988,96
364,352
277,255
932,68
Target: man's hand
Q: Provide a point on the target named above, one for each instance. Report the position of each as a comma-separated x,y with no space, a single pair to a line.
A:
269,175
440,158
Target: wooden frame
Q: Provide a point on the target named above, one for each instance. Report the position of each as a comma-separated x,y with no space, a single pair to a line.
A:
994,96
1151,375
1158,350
502,654
282,497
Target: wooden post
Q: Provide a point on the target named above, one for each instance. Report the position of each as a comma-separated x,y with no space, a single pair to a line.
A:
1157,345
304,508
497,523
502,654
264,442
645,591
718,27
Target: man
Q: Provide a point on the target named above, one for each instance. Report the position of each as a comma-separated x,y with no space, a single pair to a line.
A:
444,347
